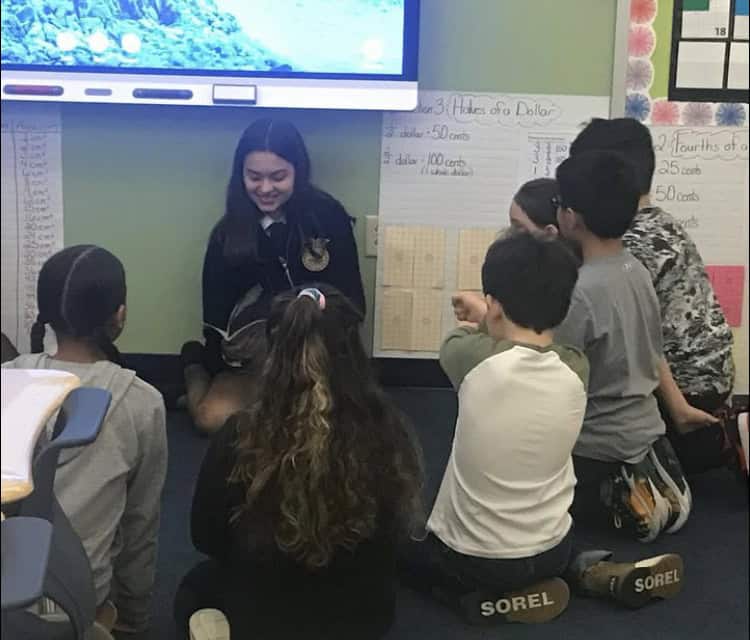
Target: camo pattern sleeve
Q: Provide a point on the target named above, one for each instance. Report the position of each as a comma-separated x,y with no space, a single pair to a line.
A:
697,338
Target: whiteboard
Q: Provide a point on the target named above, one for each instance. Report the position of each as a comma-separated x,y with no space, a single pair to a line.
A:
449,171
32,210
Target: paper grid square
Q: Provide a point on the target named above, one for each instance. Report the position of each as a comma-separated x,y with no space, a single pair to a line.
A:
472,248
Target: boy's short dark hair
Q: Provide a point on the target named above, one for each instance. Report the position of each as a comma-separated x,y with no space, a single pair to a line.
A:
601,187
628,137
532,277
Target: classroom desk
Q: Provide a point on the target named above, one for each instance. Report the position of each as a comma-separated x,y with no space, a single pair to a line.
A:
29,399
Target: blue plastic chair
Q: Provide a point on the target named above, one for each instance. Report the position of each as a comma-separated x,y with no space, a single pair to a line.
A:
26,545
78,423
67,579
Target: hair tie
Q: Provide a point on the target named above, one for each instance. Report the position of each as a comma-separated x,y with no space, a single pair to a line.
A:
315,294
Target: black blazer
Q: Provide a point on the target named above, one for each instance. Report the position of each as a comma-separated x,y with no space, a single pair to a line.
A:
224,284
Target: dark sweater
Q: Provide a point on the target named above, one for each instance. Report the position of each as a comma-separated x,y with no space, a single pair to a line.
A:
225,284
269,594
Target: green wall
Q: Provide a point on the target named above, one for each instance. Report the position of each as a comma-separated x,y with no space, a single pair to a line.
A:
148,182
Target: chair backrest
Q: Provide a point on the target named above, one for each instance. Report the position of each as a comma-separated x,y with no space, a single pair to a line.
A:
67,580
78,423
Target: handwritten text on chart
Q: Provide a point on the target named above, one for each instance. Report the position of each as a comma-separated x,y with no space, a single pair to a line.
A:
700,178
430,164
437,132
724,144
542,154
505,111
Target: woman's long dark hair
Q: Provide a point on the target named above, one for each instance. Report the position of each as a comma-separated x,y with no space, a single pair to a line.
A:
322,448
238,229
78,292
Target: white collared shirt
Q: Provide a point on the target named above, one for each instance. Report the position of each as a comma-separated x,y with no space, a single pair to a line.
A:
266,221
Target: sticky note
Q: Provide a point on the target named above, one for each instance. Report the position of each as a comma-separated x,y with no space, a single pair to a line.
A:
729,284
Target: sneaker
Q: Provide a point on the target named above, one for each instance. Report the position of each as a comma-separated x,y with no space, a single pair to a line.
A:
540,602
636,503
734,425
669,472
634,584
209,624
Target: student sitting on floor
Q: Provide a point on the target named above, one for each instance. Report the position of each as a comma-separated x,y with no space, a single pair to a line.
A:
533,207
614,318
278,231
301,498
697,338
500,532
111,489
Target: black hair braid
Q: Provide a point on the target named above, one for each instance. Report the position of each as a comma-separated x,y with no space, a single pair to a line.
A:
37,335
104,342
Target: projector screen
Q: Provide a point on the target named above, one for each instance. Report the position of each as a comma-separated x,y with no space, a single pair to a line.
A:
298,53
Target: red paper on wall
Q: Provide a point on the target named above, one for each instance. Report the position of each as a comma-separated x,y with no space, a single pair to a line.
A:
729,285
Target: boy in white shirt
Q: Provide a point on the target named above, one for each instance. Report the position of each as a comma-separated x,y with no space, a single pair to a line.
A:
499,534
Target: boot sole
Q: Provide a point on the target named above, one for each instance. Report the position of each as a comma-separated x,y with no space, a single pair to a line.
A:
209,624
660,578
537,603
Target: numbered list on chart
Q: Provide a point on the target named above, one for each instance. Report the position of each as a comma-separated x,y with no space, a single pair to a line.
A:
32,209
701,178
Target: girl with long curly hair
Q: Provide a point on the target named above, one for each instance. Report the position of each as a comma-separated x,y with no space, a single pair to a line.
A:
302,498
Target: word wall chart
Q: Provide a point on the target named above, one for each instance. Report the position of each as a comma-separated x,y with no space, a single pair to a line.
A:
32,210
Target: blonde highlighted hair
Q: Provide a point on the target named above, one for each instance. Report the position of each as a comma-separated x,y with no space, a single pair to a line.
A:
322,447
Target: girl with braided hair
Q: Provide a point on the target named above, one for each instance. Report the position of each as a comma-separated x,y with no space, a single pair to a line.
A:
109,490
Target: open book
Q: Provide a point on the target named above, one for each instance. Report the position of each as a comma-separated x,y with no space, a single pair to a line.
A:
244,338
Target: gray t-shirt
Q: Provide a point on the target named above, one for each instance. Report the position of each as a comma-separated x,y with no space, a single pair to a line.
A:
614,319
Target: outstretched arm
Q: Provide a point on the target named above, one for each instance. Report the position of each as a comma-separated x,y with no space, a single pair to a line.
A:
684,416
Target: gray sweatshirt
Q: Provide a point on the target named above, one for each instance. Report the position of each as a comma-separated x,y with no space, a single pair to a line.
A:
111,489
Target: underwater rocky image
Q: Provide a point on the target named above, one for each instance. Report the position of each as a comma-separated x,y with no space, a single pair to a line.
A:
319,36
